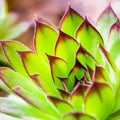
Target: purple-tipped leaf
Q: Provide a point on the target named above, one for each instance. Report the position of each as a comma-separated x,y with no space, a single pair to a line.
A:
34,64
105,21
66,48
99,100
59,68
70,21
89,38
45,39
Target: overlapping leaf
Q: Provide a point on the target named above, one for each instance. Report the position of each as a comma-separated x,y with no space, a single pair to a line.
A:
45,40
71,19
105,21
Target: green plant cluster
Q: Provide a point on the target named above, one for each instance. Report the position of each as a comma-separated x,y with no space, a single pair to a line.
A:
73,73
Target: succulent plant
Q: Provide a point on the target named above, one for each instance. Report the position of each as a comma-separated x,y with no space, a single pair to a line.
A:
73,73
9,28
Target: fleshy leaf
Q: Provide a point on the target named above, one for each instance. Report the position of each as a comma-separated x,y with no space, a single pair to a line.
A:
114,116
34,64
65,95
89,38
76,72
105,21
62,105
78,116
19,108
7,74
77,97
71,19
37,102
110,67
101,75
45,39
59,68
99,100
7,117
10,50
66,48
114,43
85,58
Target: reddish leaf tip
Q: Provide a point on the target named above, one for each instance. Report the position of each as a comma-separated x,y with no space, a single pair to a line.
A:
67,12
115,26
107,10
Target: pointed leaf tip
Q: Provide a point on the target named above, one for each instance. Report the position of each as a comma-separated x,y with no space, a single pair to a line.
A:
115,26
70,19
107,10
66,48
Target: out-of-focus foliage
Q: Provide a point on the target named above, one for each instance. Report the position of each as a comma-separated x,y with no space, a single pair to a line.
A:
9,28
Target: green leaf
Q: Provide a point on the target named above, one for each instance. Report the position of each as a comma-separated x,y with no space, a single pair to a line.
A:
10,49
89,38
85,58
41,104
78,116
110,67
45,39
18,108
114,116
99,100
66,48
8,22
13,79
59,69
101,75
62,105
77,97
34,64
76,72
71,19
114,43
105,20
15,31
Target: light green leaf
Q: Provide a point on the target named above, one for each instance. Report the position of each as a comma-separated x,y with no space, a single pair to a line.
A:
77,72
89,38
41,104
114,43
13,79
45,40
77,97
10,49
62,105
105,20
99,100
78,116
34,64
19,109
66,48
70,22
85,58
7,117
59,69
